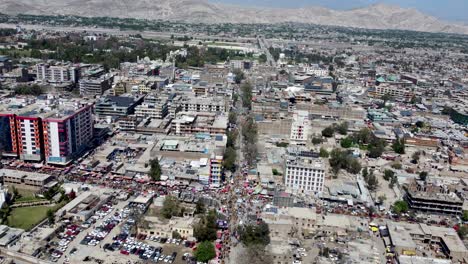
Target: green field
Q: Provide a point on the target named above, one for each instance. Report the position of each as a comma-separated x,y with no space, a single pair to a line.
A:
27,217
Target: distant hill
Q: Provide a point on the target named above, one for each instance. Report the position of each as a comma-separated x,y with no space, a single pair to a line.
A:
379,16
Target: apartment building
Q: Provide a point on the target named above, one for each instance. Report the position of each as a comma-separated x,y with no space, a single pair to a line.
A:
188,123
91,86
55,132
304,172
57,73
153,107
203,104
66,133
116,106
300,126
399,92
8,140
30,135
216,168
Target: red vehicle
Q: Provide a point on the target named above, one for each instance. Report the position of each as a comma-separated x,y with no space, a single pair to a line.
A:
124,252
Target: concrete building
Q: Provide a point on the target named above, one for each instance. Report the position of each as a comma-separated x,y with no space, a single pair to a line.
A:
116,106
300,126
304,172
203,104
433,196
216,168
66,133
91,86
56,74
408,239
26,180
187,123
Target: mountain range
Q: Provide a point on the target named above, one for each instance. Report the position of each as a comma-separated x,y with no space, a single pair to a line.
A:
378,16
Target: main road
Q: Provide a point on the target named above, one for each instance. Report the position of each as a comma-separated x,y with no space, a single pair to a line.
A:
264,46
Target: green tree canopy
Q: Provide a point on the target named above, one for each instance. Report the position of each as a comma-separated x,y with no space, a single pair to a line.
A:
255,234
400,207
155,170
171,207
205,251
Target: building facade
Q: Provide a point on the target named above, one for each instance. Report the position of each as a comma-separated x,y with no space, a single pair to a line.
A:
304,173
67,135
300,126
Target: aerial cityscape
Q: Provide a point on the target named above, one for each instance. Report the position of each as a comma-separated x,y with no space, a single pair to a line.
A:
194,132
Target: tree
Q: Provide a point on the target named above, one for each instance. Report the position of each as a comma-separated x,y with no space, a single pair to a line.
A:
205,251
423,175
255,234
317,140
346,142
155,170
275,172
29,90
375,151
342,128
382,198
229,159
255,254
4,213
388,174
465,216
420,124
396,165
51,216
393,181
238,76
372,181
246,89
200,207
232,118
323,153
205,229
354,166
16,194
400,207
399,146
262,58
365,173
171,207
462,231
415,157
176,235
328,132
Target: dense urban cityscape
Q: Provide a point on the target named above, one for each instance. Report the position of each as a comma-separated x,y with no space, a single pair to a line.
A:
137,141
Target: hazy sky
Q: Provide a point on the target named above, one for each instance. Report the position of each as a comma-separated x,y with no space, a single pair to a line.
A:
445,9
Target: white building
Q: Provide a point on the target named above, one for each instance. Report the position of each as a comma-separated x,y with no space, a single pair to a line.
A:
304,173
300,126
56,73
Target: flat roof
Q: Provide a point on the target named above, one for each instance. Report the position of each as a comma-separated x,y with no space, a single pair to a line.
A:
24,174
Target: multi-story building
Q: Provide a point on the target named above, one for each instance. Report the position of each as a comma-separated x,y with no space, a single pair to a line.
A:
304,172
66,133
56,132
57,73
399,92
153,107
26,180
187,123
9,139
216,168
116,106
203,104
433,196
300,126
92,86
30,135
